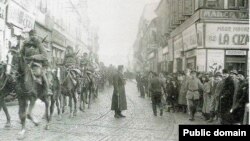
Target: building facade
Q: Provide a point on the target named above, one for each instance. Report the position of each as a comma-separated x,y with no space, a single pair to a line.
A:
59,24
203,35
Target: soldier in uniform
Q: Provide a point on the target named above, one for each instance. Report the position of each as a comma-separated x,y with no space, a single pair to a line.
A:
33,51
193,96
119,102
156,86
70,62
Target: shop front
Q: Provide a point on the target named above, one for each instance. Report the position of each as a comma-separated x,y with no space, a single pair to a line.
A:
2,28
152,62
236,60
227,45
190,47
44,34
178,53
164,59
58,47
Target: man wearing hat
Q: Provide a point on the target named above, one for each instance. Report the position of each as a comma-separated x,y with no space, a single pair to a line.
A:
34,51
119,102
234,75
193,96
155,87
226,97
214,102
240,99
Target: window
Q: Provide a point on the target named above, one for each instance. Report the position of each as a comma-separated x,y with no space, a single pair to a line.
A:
236,4
232,4
212,3
242,3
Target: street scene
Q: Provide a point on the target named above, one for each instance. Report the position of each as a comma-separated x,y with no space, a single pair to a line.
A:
99,124
121,70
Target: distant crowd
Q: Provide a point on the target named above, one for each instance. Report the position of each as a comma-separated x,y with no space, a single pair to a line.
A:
221,97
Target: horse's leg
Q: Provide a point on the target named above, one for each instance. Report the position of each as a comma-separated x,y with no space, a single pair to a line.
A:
7,125
52,105
3,105
63,103
48,117
22,115
82,100
75,102
70,105
31,107
90,97
58,105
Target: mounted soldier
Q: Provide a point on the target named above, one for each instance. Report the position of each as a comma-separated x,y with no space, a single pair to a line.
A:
70,82
32,81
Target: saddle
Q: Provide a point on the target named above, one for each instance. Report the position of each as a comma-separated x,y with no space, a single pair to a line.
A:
36,70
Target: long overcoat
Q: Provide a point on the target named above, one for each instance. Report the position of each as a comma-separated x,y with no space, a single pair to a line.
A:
119,101
226,100
182,100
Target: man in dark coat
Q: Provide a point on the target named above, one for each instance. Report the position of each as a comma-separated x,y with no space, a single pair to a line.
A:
226,99
194,85
240,100
155,87
119,102
33,51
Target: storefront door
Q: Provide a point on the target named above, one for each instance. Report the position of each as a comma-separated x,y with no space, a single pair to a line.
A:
236,63
191,63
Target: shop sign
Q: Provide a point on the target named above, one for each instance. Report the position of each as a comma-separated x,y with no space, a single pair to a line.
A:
42,32
201,60
227,35
20,17
165,50
58,38
170,49
189,38
160,57
2,16
187,7
224,14
236,52
200,34
215,58
190,53
2,11
178,46
151,55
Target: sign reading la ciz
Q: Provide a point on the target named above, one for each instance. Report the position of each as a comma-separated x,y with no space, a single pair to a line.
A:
227,35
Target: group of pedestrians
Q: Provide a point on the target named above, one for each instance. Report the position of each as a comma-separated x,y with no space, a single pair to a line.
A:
221,97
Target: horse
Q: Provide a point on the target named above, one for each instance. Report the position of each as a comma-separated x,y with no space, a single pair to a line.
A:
69,88
56,98
89,89
7,86
85,89
30,87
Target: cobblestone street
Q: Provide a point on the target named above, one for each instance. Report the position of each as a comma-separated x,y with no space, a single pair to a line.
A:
99,124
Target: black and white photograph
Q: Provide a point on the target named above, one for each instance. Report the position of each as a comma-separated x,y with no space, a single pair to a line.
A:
122,70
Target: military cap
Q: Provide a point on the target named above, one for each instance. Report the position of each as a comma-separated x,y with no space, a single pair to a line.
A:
234,72
218,74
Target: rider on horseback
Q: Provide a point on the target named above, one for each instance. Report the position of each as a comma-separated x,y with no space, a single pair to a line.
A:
33,53
89,64
70,62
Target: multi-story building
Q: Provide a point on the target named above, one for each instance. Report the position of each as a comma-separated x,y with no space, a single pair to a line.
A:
59,24
146,45
203,34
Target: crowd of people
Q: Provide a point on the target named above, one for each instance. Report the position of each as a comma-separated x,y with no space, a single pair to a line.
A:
221,97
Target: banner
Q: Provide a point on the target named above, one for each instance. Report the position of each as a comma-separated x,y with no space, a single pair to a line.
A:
189,38
227,36
20,17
